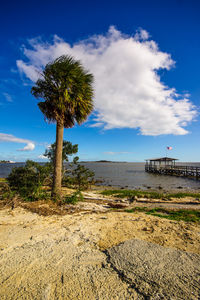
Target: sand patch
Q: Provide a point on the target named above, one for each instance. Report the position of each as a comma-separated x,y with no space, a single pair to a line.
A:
60,257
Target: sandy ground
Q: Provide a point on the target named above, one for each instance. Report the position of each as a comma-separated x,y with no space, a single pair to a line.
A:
66,257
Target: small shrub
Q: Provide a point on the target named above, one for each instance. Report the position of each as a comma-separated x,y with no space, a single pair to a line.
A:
74,198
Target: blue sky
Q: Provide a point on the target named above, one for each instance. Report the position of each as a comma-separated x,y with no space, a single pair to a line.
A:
145,59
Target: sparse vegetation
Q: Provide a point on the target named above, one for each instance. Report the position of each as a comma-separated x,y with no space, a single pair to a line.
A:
148,194
177,215
131,193
183,195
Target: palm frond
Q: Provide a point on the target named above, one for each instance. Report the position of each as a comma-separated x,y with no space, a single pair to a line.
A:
66,88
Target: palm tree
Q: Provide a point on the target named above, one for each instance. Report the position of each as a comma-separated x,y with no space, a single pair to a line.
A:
66,88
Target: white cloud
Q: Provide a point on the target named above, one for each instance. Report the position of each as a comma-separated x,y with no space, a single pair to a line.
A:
41,156
141,34
11,138
8,97
28,147
30,71
128,90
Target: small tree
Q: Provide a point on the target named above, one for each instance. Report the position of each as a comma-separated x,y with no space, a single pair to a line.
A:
68,150
82,177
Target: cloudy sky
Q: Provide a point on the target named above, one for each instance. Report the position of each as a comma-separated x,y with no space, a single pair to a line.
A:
145,60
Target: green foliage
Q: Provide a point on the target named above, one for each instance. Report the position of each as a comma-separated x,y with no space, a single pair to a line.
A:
182,214
74,198
131,193
67,90
177,215
136,209
148,194
68,149
27,181
78,176
183,195
5,191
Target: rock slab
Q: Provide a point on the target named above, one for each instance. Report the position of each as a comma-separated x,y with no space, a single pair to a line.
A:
157,272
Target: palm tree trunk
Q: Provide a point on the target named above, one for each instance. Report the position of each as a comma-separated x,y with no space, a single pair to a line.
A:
57,176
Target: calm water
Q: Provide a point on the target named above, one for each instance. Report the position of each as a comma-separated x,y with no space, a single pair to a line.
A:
129,175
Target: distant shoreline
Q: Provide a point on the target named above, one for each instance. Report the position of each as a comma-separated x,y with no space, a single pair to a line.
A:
105,161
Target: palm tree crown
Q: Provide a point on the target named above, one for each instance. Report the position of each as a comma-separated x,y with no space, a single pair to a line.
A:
67,90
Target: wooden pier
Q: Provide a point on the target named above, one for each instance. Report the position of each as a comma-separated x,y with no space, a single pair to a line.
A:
166,166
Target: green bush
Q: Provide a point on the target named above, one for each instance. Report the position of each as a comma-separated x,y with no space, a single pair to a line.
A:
74,198
27,181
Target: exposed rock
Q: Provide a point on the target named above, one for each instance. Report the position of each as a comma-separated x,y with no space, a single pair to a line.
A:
157,272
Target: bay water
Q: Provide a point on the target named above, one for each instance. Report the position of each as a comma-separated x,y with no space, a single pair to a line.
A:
128,175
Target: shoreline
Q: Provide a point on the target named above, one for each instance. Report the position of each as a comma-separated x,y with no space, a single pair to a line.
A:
159,189
150,189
